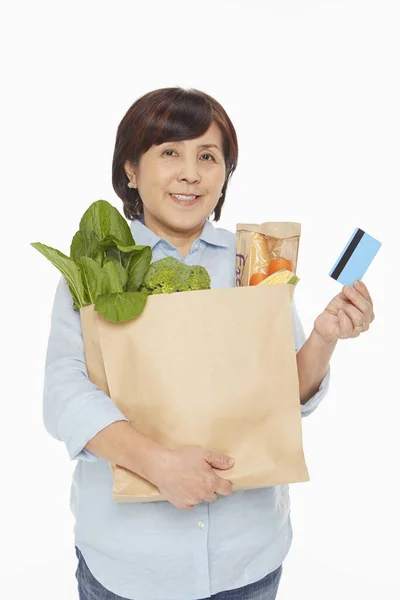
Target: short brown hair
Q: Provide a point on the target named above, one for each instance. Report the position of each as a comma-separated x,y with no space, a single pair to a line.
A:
166,115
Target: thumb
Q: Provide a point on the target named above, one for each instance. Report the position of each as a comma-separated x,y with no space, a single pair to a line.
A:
220,461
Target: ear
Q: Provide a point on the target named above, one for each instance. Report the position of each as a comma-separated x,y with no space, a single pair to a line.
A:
130,172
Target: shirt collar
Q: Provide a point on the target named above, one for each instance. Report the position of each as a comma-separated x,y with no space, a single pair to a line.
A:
213,236
146,237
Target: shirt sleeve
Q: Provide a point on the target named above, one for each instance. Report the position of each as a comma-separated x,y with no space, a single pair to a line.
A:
300,338
74,408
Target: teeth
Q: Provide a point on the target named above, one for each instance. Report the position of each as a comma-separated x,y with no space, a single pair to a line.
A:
179,197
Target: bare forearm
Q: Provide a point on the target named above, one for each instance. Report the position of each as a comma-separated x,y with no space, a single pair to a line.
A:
122,445
312,364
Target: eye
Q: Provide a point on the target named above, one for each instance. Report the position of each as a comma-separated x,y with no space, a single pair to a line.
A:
168,151
209,155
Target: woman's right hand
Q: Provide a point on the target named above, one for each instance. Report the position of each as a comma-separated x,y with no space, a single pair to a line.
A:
186,476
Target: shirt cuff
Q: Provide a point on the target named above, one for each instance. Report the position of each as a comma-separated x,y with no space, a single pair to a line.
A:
82,420
312,403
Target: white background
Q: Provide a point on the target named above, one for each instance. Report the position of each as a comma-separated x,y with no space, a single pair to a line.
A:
312,89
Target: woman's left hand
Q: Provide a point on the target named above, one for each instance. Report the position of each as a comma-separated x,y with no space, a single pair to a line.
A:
358,313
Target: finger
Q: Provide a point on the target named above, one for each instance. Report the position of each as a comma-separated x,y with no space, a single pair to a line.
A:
219,461
362,288
185,506
358,299
345,325
356,317
223,487
360,302
211,497
347,329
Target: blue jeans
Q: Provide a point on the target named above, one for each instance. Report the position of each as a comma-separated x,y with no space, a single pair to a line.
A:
90,589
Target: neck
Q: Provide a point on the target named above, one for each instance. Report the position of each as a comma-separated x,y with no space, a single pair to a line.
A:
181,240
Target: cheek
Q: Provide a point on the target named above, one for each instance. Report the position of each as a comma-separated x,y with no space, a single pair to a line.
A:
213,176
162,179
155,185
220,177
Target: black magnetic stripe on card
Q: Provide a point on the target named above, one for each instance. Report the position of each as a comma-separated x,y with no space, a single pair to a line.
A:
348,253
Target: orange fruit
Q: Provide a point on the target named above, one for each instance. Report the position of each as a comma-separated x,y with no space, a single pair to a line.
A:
256,278
280,263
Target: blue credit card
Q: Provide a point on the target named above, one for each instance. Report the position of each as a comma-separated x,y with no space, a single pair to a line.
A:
356,257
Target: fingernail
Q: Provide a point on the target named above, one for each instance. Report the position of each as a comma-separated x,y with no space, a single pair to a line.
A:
231,460
357,283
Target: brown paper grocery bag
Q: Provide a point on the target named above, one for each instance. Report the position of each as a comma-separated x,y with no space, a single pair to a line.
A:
214,368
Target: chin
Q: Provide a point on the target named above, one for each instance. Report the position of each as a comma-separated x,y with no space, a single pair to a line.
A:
186,221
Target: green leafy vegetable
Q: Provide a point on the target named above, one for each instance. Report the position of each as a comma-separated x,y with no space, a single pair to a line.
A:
110,241
104,219
69,270
95,278
117,276
106,268
137,267
86,243
121,306
114,249
105,265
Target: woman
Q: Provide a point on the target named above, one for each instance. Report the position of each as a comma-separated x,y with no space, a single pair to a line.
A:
174,155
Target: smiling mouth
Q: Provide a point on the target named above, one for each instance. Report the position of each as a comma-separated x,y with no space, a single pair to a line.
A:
184,196
184,200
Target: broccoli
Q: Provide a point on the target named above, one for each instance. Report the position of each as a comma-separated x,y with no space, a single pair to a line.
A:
199,279
169,275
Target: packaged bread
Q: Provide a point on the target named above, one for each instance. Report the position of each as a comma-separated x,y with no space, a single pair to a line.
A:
262,250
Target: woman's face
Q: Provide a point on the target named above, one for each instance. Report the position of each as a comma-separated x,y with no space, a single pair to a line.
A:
186,168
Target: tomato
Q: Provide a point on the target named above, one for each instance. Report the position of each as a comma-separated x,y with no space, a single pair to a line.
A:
279,263
256,278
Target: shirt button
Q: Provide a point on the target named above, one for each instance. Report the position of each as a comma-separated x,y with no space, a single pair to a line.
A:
201,524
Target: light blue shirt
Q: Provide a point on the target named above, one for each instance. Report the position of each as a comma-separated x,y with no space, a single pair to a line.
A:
154,551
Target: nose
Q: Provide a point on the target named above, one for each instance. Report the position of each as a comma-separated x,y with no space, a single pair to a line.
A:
189,171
